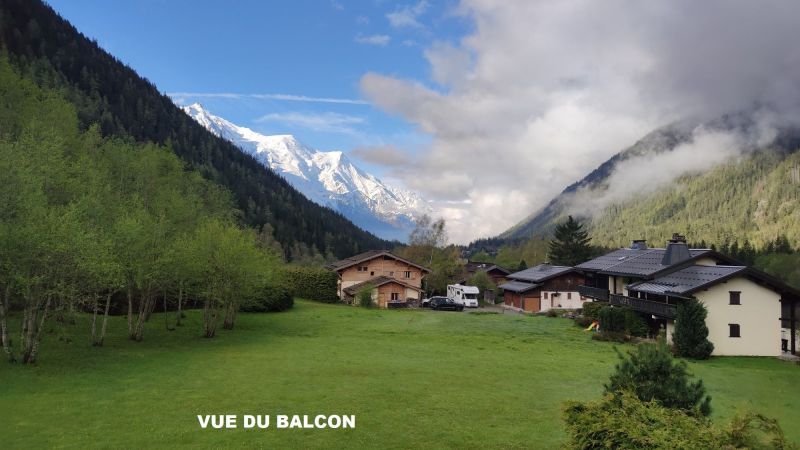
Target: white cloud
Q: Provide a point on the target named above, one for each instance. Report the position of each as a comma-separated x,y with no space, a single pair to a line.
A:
375,39
542,92
182,96
407,15
362,20
327,122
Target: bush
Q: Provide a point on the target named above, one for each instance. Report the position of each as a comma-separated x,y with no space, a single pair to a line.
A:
365,298
625,421
311,283
551,313
621,320
691,333
592,309
583,321
652,374
271,299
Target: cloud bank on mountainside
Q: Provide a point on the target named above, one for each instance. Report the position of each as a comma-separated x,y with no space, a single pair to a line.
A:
540,93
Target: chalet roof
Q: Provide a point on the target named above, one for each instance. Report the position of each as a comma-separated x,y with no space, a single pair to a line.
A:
518,286
689,280
540,273
377,282
366,256
474,266
642,262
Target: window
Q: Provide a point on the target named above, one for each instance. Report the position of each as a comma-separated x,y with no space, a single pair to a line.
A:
735,298
391,274
545,295
372,274
569,295
395,296
362,268
407,274
735,331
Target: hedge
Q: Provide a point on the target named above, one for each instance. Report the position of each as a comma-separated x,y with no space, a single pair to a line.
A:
270,299
311,283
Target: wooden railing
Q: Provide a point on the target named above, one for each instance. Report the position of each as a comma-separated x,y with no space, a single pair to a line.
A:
593,292
645,306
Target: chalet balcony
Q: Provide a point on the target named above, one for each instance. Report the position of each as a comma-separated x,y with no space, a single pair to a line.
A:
645,306
593,292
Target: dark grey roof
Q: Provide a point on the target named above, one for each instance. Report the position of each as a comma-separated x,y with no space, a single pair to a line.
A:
353,260
637,263
518,286
540,273
474,266
375,282
687,280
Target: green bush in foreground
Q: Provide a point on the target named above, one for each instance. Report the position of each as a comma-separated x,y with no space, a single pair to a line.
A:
626,422
652,374
365,298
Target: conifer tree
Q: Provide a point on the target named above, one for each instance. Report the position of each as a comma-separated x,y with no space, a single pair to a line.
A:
571,244
651,373
691,333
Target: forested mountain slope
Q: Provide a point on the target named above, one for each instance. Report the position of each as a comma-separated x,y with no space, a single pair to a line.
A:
753,195
49,50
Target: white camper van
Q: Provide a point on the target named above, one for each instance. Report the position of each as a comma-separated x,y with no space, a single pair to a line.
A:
463,295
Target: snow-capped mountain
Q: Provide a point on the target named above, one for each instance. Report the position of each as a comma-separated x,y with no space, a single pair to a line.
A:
327,178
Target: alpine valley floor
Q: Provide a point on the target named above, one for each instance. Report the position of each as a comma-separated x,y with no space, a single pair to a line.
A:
413,379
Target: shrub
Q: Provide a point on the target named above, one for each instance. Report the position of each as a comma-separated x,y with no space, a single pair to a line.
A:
691,333
624,421
270,299
652,374
551,313
311,283
365,298
592,309
621,321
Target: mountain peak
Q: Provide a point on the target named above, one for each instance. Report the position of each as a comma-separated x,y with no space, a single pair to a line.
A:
327,178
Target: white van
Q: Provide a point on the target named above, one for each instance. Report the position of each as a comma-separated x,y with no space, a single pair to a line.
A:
463,295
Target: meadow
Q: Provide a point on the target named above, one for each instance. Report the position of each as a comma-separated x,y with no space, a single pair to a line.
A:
418,379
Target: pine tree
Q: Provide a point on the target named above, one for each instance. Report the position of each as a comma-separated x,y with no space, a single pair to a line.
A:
691,333
651,373
571,244
522,265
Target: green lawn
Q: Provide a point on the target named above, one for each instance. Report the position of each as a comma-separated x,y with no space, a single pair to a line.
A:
413,378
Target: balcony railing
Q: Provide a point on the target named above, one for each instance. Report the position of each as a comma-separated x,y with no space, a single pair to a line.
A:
593,292
645,306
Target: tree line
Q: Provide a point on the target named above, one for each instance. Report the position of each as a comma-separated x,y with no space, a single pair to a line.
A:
87,221
112,96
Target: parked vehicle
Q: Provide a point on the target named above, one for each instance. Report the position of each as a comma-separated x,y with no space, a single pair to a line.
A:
463,295
426,302
445,304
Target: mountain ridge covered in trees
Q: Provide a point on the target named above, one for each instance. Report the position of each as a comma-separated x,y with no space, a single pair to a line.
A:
105,92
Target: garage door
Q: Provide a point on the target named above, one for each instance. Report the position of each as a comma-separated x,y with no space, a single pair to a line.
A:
532,304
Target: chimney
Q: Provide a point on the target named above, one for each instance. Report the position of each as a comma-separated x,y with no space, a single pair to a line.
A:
677,251
639,244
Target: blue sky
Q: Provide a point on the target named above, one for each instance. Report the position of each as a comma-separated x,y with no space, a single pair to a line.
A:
299,49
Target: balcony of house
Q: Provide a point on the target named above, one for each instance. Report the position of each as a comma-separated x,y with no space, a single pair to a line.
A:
594,292
646,306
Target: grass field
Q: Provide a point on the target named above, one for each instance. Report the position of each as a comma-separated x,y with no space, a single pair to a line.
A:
413,379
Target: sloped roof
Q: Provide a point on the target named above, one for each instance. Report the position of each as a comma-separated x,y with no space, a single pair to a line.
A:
691,279
643,263
474,266
540,273
366,256
377,282
518,286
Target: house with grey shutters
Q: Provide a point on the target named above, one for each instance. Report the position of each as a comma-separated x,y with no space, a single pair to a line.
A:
749,311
